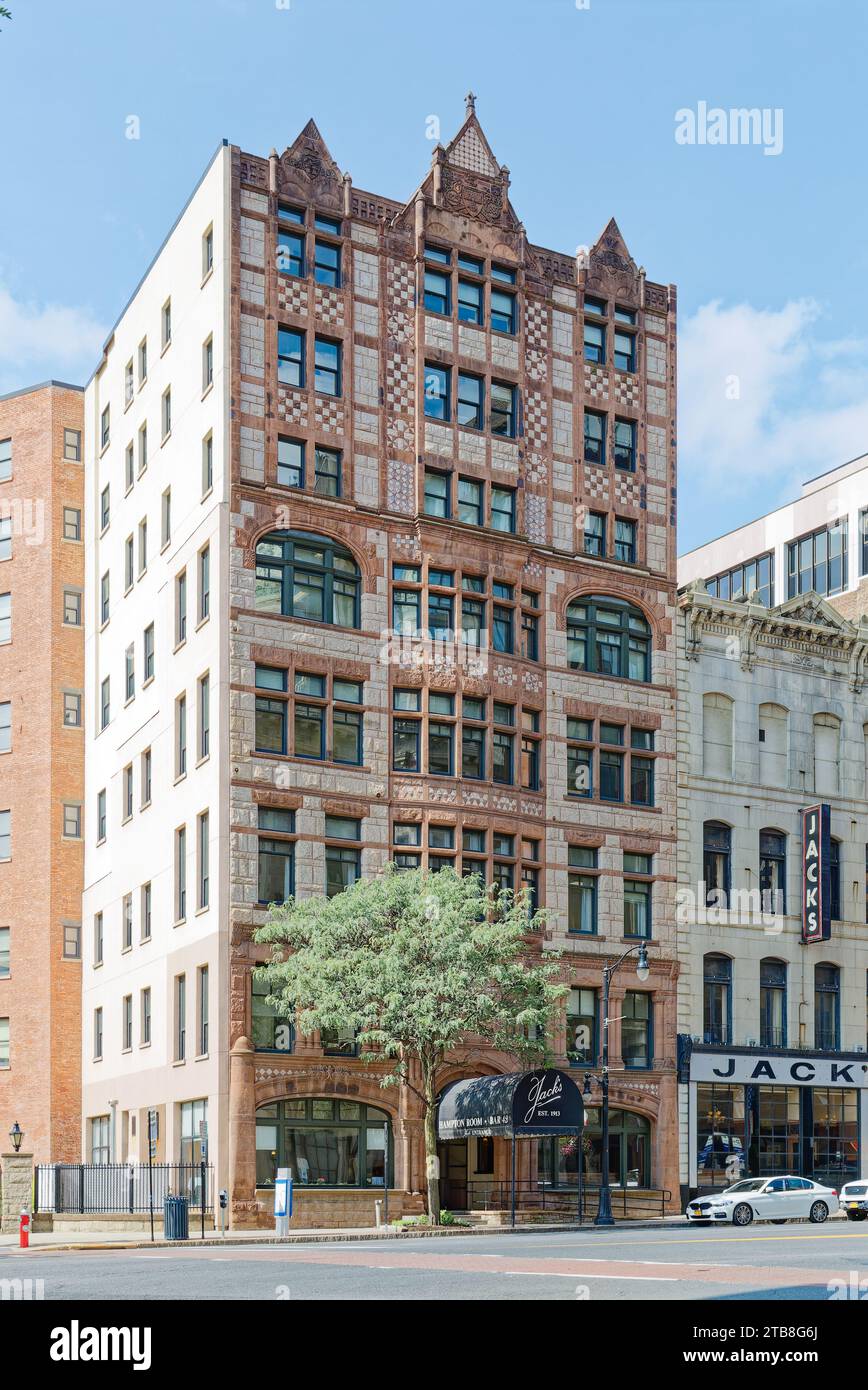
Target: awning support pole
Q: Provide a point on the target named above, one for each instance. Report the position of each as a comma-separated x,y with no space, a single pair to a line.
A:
513,1180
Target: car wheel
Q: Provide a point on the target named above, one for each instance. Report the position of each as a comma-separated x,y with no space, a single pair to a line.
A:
819,1213
855,1215
743,1215
780,1221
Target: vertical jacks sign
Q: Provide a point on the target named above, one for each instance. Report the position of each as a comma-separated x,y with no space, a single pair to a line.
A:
816,874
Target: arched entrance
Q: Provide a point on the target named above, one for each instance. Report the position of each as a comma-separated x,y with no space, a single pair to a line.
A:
629,1152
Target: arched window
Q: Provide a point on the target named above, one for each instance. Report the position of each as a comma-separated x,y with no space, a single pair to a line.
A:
827,1007
327,1142
773,745
716,999
773,871
773,1003
716,860
610,637
302,576
716,735
827,753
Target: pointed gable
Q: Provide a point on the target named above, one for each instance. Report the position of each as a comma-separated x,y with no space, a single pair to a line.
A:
611,269
811,607
306,170
471,151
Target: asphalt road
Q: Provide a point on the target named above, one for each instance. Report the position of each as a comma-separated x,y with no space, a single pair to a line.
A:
796,1262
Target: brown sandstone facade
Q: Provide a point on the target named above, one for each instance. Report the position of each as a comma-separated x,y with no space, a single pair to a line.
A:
41,766
524,560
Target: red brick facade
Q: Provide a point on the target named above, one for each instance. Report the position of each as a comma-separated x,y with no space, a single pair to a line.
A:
391,349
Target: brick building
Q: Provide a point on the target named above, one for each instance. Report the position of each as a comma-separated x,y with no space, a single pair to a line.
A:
41,765
441,559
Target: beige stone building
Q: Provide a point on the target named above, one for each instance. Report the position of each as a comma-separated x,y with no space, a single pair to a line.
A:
41,766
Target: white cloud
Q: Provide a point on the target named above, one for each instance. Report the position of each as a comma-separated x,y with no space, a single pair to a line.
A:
38,341
764,403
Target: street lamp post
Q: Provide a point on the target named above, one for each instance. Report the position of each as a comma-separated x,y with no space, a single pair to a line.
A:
16,1134
604,1207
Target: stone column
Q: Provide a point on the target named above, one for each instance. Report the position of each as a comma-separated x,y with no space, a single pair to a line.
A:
17,1181
242,1134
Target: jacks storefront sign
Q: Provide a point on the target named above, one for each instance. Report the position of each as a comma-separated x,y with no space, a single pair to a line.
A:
784,1069
816,874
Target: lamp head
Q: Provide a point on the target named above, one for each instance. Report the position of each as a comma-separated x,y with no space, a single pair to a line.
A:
643,970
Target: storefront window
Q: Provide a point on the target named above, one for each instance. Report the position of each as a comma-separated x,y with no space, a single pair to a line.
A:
629,1153
324,1142
835,1135
776,1147
720,1145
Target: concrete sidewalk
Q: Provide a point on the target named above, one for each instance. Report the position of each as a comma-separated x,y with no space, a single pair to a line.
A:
102,1240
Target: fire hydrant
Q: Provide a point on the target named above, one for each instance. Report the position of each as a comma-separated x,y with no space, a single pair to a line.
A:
24,1231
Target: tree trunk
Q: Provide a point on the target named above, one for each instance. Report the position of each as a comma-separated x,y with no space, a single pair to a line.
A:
432,1163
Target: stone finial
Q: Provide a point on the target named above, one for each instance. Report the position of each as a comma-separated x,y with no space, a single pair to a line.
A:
470,104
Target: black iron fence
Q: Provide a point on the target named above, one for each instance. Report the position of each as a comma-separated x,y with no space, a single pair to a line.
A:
560,1203
90,1189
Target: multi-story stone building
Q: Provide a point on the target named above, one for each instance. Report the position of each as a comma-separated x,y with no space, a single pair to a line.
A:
438,510
41,765
771,722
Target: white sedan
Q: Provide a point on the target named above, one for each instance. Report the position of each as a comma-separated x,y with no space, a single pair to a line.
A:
766,1199
854,1200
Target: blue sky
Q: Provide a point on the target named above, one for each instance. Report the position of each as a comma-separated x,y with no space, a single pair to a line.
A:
768,252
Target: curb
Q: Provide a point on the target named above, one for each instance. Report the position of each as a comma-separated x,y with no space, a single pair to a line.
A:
344,1237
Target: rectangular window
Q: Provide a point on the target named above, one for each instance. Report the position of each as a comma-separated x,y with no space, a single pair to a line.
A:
71,822
503,409
471,495
469,301
207,252
637,895
347,736
127,1023
97,1035
595,437
128,792
148,653
405,745
636,1030
71,941
143,450
204,703
818,561
143,361
594,342
436,499
145,1022
143,546
105,507
105,703
582,891
207,463
129,563
503,315
166,513
595,534
146,778
181,873
343,865
276,868
753,579
167,323
309,730
271,722
503,508
440,749
71,447
202,1021
71,524
327,367
6,726
98,940
625,541
180,1018
145,907
4,953
470,397
71,607
437,296
100,816
127,922
327,472
208,363
625,445
105,428
290,252
104,593
129,467
5,460
437,392
166,412
327,263
180,608
290,357
582,1013
204,583
625,351
203,856
180,736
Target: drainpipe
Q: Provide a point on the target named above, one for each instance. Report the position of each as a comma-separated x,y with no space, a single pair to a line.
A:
113,1124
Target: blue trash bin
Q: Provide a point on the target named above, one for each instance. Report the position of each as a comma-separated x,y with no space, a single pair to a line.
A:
176,1225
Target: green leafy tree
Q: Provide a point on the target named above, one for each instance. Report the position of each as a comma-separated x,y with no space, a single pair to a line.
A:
417,965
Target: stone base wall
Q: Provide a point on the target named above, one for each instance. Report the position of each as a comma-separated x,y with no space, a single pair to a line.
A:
326,1210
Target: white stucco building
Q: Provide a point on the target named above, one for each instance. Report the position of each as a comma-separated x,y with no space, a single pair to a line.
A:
772,719
157,755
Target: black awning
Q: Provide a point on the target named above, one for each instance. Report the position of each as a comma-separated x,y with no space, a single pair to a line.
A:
519,1105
